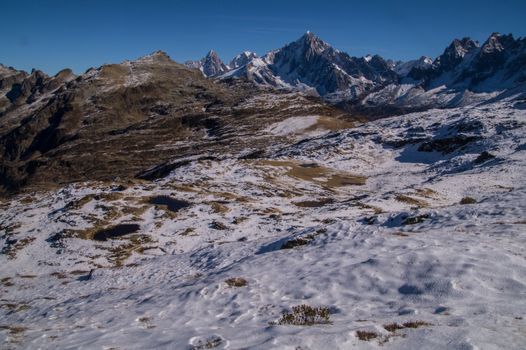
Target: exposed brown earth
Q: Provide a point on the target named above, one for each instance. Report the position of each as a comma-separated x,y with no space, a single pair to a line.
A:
121,120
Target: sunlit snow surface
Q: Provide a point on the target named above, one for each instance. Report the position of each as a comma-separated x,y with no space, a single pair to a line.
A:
460,268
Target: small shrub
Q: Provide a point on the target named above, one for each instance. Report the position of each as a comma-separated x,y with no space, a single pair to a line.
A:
366,336
296,242
211,343
216,225
468,200
400,234
236,282
411,201
393,327
305,315
314,203
412,220
416,324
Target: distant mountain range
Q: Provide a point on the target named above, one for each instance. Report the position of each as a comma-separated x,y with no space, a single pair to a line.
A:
119,120
464,69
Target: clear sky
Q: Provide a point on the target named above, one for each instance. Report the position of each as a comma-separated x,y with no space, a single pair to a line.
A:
54,34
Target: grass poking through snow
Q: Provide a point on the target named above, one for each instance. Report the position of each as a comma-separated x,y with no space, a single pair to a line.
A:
305,315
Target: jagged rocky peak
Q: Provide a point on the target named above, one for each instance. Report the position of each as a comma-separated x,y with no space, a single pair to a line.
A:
306,48
493,44
155,57
303,56
497,43
65,75
455,52
311,44
210,65
420,64
242,59
6,70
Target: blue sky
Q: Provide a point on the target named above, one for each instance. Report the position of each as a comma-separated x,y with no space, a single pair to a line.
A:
54,34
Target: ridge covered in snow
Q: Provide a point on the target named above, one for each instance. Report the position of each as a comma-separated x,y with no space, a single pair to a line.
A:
310,64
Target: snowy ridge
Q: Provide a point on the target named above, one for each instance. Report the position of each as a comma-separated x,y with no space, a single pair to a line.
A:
309,63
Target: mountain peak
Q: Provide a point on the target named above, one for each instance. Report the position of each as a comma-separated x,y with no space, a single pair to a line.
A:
311,42
459,47
454,54
210,65
497,42
241,59
212,53
156,56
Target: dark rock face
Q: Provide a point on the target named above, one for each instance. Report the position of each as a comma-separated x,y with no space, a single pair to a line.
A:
313,62
213,65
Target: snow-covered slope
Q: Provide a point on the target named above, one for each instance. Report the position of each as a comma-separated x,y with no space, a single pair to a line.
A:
409,230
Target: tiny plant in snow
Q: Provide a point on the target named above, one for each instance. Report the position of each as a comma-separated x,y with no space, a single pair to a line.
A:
305,315
416,324
468,200
366,336
236,282
393,327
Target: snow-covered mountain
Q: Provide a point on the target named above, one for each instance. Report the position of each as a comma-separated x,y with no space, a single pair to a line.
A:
500,63
241,59
465,73
465,68
403,68
309,63
210,65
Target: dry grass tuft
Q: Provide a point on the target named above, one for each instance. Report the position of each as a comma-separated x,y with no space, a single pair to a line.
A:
314,203
216,225
393,327
305,315
298,241
219,207
416,324
13,249
325,177
468,200
366,335
413,220
412,201
236,282
133,244
400,234
425,192
188,232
